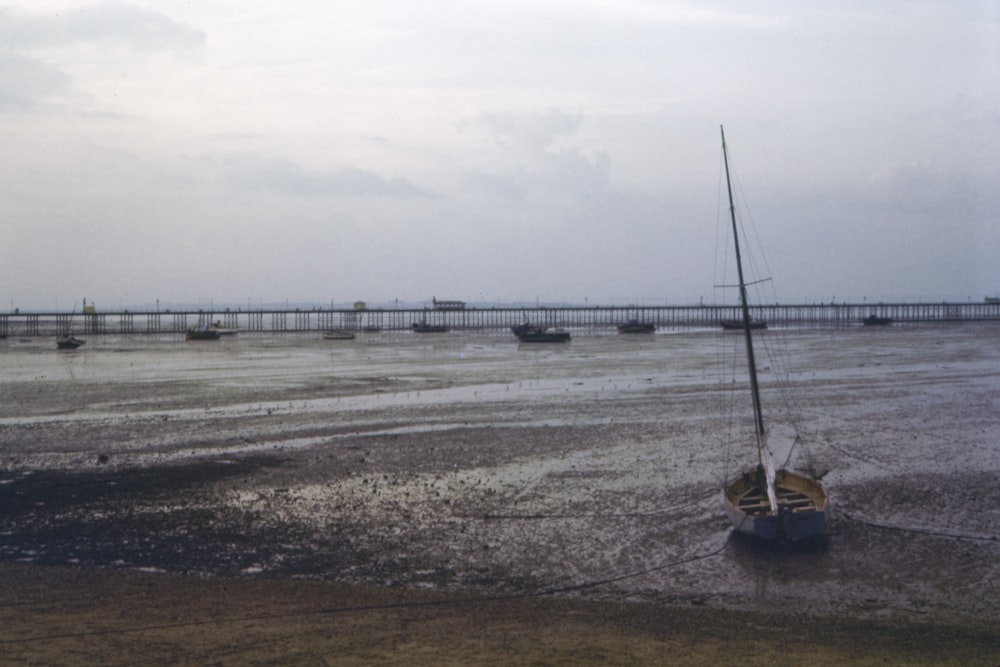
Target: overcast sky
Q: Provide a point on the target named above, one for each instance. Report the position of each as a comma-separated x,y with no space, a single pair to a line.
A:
251,151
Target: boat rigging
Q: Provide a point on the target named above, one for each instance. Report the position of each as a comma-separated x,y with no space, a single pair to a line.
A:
778,505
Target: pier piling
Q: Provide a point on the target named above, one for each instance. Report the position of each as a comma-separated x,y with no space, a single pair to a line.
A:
588,318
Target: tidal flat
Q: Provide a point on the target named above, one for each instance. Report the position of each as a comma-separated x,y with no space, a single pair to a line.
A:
461,498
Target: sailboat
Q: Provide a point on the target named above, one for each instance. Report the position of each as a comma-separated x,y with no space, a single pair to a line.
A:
201,332
776,505
68,342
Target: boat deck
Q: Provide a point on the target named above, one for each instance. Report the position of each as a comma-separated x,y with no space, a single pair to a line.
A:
755,501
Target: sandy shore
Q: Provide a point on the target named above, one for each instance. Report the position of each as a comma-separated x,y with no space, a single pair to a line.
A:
456,499
88,616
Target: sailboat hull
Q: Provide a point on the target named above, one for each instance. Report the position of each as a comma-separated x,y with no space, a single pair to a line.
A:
803,506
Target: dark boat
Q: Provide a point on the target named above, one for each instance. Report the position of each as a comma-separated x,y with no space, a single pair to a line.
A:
529,333
775,505
635,326
202,332
739,325
338,335
423,327
874,320
67,342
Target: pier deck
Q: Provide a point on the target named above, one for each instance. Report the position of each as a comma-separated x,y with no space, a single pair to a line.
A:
596,318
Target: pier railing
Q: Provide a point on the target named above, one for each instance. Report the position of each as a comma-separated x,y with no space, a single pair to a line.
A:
595,318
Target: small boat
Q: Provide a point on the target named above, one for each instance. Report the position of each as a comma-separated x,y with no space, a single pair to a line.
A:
874,320
529,333
775,505
635,326
423,327
372,328
338,335
201,332
739,325
67,342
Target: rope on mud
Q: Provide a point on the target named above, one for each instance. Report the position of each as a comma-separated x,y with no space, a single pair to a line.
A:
919,531
582,515
367,608
629,575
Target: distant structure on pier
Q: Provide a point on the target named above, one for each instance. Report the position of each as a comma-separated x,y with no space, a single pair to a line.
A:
447,305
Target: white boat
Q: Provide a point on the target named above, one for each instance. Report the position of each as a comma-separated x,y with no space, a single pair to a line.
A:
777,505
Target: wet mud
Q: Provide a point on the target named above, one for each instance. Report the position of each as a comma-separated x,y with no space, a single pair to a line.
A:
465,463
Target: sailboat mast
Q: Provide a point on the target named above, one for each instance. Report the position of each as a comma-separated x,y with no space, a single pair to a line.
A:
748,336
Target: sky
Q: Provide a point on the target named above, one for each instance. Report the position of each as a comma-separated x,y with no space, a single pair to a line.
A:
254,152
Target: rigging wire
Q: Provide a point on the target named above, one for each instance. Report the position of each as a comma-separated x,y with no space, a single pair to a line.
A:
759,273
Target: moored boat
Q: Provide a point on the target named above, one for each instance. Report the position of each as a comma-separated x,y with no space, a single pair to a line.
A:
800,499
529,333
68,342
874,320
738,325
775,505
338,335
635,326
423,327
201,332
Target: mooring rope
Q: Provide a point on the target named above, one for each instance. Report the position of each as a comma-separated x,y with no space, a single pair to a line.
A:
919,531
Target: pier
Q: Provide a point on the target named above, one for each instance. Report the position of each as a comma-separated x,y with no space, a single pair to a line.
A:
486,319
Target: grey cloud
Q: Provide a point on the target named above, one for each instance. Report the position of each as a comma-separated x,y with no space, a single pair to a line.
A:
536,130
562,174
116,22
931,190
25,80
290,179
542,170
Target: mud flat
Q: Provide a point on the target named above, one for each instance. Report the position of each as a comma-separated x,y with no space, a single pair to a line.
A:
453,498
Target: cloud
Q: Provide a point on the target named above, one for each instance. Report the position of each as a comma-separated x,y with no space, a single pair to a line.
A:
114,22
532,157
290,179
535,131
918,186
44,48
24,81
